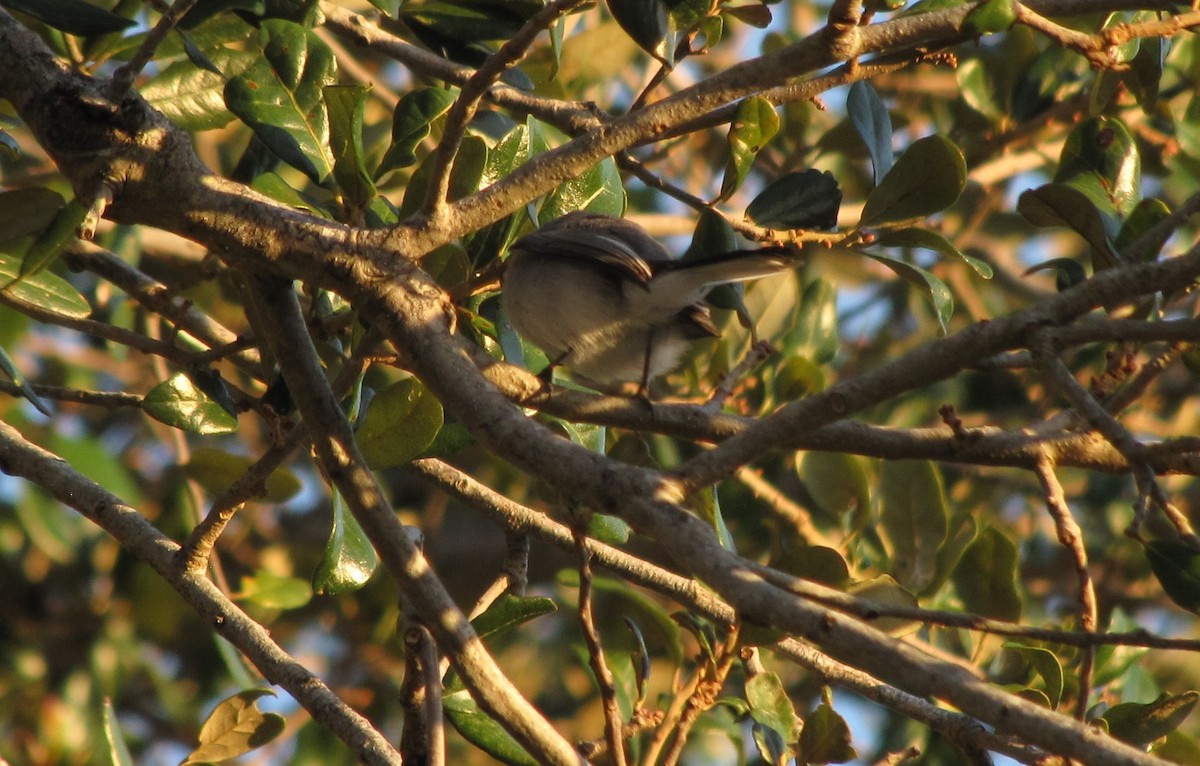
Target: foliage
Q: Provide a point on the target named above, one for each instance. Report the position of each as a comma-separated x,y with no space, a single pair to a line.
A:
264,423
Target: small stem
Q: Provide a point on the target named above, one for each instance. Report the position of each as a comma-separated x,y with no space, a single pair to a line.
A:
1071,536
123,78
591,636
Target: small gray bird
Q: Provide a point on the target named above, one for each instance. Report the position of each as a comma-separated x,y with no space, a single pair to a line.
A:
601,296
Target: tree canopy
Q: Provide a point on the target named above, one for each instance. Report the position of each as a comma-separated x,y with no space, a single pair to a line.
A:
282,483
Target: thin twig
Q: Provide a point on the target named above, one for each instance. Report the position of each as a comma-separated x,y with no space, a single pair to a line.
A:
613,726
123,78
473,90
1071,536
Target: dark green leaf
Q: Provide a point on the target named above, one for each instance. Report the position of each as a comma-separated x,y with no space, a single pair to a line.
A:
478,728
1068,272
465,176
934,289
1145,216
1101,160
816,563
74,17
976,83
805,200
48,245
193,97
1176,564
753,125
345,104
649,24
180,403
411,121
349,559
825,737
1047,665
870,118
985,577
837,481
400,424
1139,725
771,746
280,96
640,659
509,611
931,240
914,514
27,211
927,178
236,726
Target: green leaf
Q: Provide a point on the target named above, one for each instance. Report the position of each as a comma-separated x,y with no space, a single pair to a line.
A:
27,211
349,559
118,751
1068,272
465,176
770,705
914,514
181,403
1101,159
837,481
815,332
825,737
931,240
753,125
193,97
886,592
707,506
280,96
12,373
610,530
1139,725
870,118
411,124
817,563
217,470
979,89
927,178
478,728
1061,205
985,577
49,245
345,105
46,290
990,17
1145,216
935,290
598,189
274,186
275,591
236,726
74,17
509,611
797,378
648,24
808,199
1046,664
1176,564
400,424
